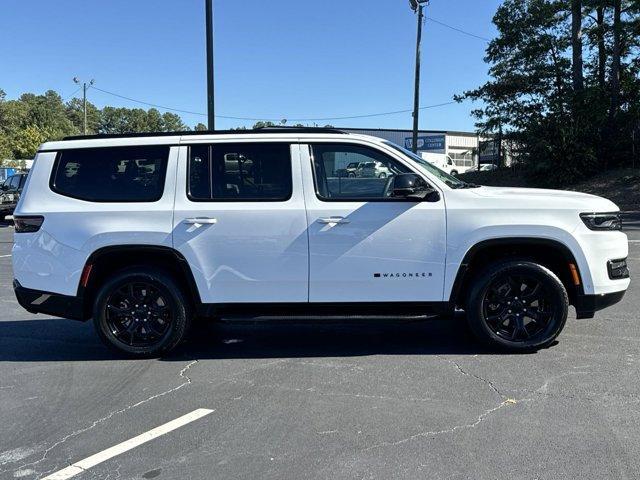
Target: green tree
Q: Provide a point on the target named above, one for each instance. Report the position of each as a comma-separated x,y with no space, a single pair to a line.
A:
172,123
75,113
560,116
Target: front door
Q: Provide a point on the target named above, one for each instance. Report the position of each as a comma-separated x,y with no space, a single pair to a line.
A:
240,221
364,245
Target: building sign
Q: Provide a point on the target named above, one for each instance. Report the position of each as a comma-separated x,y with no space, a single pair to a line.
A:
489,152
431,143
6,173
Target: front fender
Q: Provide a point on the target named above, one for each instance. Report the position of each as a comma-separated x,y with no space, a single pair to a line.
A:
460,252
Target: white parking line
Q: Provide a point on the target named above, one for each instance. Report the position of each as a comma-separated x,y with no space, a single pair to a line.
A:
4,256
93,460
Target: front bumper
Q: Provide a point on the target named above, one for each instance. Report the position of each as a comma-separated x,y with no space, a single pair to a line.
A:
37,301
588,305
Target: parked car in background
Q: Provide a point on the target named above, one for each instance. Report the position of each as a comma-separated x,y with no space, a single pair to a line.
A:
444,162
10,191
488,167
367,170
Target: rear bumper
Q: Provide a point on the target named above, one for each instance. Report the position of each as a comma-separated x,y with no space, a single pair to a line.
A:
37,301
587,305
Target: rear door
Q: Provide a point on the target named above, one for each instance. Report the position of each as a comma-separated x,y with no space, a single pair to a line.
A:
363,245
240,221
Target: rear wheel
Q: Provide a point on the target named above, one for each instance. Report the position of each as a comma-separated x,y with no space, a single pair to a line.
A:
517,305
141,312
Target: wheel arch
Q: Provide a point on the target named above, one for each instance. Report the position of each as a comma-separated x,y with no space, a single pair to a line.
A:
106,261
551,253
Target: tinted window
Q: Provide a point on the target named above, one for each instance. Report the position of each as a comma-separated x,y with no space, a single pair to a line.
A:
14,182
240,172
118,174
335,179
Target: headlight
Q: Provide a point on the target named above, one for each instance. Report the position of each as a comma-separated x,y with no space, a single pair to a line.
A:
602,221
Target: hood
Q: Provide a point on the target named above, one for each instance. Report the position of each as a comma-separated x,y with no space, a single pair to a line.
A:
538,197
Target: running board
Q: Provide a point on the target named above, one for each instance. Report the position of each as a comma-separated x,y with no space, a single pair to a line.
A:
323,319
325,311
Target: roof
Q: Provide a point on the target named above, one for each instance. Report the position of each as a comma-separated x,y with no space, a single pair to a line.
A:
408,130
208,132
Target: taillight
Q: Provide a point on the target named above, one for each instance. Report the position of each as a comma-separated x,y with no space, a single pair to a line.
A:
28,224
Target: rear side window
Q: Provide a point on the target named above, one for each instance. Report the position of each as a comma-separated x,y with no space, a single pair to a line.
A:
115,174
240,172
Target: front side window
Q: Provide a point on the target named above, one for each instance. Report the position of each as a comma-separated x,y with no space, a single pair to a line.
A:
111,174
240,172
337,180
449,180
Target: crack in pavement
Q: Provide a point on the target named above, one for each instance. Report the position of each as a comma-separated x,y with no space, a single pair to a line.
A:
182,374
489,383
506,401
435,433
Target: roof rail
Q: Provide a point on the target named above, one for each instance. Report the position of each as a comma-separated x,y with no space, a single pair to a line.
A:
208,132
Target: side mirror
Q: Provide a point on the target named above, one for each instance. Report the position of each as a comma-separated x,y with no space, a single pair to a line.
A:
413,187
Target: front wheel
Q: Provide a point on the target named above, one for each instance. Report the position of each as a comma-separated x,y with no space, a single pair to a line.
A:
141,312
517,305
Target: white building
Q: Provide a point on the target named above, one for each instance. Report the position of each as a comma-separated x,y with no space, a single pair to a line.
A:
462,147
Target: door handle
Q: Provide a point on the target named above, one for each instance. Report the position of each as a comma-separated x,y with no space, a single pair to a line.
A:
201,221
336,220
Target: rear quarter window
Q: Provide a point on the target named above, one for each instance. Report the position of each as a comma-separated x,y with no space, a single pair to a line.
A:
111,174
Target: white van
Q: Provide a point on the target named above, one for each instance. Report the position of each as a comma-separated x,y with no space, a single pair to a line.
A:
444,162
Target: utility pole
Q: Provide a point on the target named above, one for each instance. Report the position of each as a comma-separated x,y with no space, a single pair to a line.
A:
417,5
210,78
84,99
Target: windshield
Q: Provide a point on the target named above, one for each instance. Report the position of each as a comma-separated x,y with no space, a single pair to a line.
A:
450,180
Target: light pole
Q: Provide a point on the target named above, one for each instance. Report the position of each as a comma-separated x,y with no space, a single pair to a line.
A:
84,99
417,5
210,94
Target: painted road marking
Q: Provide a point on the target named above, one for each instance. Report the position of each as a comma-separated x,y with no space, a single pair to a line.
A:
103,456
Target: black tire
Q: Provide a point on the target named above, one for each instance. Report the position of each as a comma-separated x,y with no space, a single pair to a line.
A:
119,318
504,301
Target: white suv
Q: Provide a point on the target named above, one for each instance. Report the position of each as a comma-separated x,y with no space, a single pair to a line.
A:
143,233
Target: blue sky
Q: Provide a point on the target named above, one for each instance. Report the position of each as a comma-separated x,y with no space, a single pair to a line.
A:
274,59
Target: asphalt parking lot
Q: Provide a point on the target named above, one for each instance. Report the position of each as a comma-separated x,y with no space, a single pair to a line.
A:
382,401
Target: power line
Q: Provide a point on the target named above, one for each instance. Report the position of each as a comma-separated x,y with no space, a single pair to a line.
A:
150,104
256,119
459,30
69,97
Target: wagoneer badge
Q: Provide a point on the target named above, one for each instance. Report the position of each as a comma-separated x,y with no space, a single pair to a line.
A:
402,275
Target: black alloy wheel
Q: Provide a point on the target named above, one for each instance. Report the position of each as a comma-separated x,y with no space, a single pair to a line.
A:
517,305
141,312
138,315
